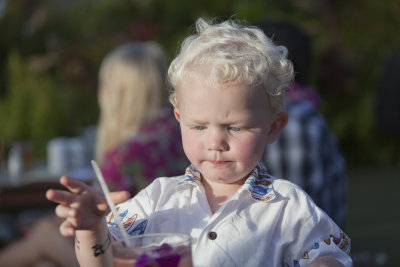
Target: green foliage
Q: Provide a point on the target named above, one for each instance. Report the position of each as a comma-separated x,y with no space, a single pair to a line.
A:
50,52
39,107
16,105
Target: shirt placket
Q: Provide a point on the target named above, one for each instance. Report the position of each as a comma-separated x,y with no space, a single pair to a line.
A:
210,238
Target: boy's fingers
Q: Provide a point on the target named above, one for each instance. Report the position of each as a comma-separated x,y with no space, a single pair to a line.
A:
60,196
116,198
64,211
119,196
67,229
102,208
73,185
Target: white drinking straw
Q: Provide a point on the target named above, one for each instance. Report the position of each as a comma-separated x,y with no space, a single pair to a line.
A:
109,201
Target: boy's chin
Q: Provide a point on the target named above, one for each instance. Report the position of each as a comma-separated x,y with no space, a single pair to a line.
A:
223,177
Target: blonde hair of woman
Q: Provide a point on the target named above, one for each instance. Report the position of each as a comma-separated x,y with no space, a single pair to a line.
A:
132,92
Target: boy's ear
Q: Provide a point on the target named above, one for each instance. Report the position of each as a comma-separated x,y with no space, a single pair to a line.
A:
177,115
276,127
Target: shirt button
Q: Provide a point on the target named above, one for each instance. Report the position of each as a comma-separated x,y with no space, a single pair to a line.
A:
212,235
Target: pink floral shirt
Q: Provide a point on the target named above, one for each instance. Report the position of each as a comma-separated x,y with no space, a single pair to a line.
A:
155,151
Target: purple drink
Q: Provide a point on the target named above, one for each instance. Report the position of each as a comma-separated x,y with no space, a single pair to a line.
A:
154,250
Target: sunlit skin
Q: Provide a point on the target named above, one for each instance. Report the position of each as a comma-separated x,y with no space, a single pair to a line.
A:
224,131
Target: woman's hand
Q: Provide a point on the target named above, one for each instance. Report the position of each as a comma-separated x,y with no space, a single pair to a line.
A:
83,207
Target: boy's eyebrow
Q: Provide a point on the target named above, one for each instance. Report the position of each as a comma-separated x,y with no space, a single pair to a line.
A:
195,121
225,123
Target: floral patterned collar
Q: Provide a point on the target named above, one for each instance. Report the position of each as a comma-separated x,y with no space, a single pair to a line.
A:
259,182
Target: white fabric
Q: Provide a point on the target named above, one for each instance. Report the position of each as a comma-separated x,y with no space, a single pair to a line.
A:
268,222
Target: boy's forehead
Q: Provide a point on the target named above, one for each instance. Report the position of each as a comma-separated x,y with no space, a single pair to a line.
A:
195,88
193,82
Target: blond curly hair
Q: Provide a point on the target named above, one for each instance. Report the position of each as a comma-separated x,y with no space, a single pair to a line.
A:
229,52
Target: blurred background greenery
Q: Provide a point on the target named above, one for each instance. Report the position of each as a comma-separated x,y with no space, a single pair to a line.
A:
50,51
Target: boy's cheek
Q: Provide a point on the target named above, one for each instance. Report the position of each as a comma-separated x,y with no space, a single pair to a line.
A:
186,139
191,144
250,148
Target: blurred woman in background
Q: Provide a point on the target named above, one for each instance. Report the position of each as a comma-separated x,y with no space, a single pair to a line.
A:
138,139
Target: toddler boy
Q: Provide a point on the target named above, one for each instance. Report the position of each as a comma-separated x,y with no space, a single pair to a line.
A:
228,86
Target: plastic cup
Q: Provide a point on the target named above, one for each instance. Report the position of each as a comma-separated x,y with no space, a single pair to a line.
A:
153,250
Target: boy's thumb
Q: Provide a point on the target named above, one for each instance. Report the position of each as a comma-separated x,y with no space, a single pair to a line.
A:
119,196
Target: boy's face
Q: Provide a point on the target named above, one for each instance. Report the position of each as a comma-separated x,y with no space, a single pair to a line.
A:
224,129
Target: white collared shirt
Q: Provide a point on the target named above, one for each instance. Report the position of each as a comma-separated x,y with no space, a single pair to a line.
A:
267,222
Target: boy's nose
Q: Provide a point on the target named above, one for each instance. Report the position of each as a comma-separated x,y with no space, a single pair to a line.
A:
217,141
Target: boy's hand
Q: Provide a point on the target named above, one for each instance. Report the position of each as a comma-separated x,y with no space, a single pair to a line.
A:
325,261
83,208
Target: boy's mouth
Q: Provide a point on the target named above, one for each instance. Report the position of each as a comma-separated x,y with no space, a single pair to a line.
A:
219,162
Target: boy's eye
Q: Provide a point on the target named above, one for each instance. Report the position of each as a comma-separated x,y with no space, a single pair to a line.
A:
199,128
234,129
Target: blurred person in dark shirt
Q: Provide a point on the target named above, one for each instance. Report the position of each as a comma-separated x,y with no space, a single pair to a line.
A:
306,152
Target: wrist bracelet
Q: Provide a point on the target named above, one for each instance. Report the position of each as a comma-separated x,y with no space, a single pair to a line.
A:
100,249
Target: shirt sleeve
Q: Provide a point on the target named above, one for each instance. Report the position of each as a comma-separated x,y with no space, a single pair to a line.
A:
316,234
335,244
